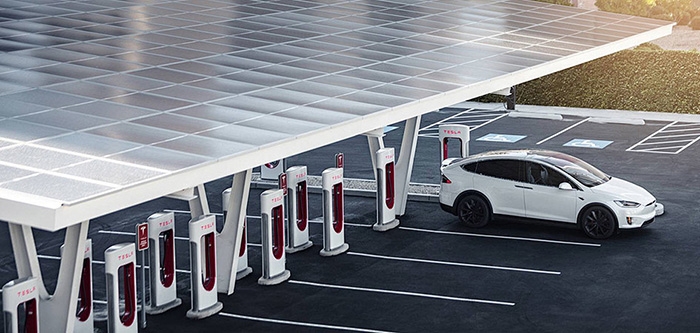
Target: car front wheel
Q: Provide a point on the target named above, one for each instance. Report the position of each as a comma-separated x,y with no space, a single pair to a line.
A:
473,211
598,222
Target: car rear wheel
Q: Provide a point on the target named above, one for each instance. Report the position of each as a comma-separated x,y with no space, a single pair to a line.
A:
473,211
598,222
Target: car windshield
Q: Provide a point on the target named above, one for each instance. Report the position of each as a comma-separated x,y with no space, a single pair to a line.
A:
585,173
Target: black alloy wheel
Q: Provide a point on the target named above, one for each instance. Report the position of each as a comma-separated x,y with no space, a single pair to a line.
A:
598,222
473,211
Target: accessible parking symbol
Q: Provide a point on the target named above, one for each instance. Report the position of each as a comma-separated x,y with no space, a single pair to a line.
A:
583,143
506,138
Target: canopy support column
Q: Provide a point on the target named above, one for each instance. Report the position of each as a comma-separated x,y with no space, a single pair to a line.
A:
404,164
57,310
228,242
198,203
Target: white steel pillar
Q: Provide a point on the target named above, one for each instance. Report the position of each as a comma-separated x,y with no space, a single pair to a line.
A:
230,238
404,164
57,310
198,203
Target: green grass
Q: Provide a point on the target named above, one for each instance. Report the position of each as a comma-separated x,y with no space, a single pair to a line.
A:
643,79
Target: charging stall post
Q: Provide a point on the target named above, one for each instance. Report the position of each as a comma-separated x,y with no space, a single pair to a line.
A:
205,301
386,190
333,212
273,252
21,292
453,131
163,280
242,269
298,210
120,270
272,170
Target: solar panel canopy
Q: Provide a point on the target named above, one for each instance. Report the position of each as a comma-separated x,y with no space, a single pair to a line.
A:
105,104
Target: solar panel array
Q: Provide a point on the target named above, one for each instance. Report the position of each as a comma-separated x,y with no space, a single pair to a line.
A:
97,96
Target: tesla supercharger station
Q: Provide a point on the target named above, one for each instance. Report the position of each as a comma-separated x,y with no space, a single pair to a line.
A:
161,238
454,131
120,269
16,294
272,170
203,267
298,208
85,321
242,269
333,213
386,214
273,253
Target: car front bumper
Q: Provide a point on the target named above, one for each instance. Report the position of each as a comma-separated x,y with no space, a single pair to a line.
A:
636,218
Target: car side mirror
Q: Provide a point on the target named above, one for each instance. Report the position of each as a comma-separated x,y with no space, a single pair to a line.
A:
565,186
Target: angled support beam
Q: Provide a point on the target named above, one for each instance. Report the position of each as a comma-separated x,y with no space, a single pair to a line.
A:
404,164
228,242
198,203
375,139
57,310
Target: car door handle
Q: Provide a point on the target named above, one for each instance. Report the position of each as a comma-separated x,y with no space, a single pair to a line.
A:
523,187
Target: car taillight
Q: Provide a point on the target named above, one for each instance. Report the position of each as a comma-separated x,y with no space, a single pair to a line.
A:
446,180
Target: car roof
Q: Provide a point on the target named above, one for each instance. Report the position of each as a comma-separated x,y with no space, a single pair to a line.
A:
520,154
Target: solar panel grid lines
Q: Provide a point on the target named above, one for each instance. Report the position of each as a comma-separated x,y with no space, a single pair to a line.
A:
175,84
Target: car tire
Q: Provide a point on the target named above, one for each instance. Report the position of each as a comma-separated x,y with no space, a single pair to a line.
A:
474,211
598,222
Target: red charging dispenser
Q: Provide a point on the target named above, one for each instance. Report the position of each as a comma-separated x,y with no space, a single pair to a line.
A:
298,208
161,238
273,253
457,132
120,269
205,301
21,295
333,213
386,190
242,270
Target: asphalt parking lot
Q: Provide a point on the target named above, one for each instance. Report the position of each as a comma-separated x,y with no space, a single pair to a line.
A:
434,275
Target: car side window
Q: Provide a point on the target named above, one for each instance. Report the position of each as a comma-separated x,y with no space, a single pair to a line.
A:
471,167
543,175
504,169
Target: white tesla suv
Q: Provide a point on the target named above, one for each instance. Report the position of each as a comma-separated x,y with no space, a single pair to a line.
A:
543,185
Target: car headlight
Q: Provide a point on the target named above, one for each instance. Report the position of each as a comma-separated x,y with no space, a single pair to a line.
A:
627,204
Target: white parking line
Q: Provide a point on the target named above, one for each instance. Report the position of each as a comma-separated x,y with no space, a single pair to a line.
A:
316,220
459,264
430,131
500,237
404,293
667,140
42,256
562,131
126,233
298,323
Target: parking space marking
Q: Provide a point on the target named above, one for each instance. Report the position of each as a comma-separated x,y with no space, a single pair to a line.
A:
133,234
298,323
450,263
403,293
669,139
316,220
500,237
99,262
562,131
471,117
